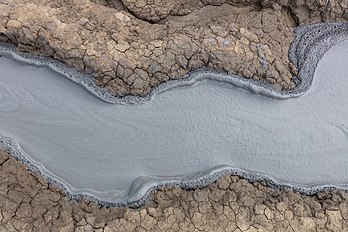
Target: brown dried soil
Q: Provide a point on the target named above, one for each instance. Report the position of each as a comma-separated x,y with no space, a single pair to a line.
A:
130,46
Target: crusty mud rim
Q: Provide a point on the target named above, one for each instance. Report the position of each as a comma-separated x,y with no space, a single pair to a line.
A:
306,50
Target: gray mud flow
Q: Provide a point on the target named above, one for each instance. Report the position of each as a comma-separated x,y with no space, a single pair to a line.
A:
100,149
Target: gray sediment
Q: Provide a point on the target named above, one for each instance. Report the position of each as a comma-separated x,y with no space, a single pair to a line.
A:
305,52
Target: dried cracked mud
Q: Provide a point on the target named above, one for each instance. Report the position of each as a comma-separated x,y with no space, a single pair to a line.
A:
28,203
131,46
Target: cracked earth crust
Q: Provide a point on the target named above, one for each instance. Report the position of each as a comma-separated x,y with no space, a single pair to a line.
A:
131,46
28,203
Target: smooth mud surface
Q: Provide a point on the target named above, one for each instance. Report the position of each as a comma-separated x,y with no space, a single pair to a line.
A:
100,149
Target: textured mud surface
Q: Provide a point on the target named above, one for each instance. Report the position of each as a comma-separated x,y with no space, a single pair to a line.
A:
130,47
48,97
128,50
28,203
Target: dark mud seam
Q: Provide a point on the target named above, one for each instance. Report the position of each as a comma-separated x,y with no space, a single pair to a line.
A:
317,39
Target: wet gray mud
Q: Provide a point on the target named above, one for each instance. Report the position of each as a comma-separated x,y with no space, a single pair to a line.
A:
213,125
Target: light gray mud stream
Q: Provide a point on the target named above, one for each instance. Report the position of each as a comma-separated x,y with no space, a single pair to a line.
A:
99,149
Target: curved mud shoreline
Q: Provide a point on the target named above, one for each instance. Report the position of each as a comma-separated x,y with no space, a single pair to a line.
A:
193,181
317,43
306,50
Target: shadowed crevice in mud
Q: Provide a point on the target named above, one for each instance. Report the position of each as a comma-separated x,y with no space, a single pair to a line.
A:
154,11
